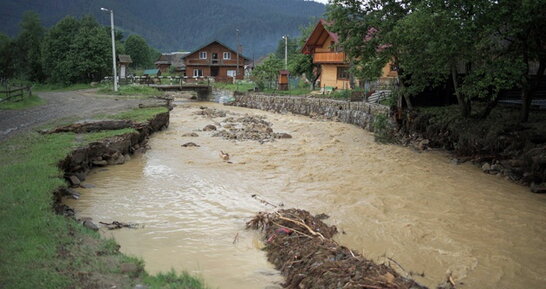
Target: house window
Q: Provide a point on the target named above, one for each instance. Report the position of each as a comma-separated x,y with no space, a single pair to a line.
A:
198,72
227,55
343,73
231,73
203,55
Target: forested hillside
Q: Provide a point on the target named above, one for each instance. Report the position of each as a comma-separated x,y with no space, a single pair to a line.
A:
176,25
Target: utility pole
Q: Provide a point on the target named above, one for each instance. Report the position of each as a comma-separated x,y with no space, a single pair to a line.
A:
285,37
237,71
113,47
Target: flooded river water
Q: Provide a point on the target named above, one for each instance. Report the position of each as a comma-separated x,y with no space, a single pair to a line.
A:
430,215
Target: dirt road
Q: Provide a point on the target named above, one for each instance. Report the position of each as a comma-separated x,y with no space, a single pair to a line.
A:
80,104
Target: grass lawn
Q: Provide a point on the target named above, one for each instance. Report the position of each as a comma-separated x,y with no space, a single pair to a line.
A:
295,91
243,87
27,102
141,90
40,249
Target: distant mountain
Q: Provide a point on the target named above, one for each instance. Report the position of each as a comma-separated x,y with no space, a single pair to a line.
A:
180,25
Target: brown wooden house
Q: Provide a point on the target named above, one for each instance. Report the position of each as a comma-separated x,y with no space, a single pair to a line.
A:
323,45
215,60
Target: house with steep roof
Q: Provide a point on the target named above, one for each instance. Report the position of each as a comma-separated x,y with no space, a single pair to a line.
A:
216,60
334,68
173,60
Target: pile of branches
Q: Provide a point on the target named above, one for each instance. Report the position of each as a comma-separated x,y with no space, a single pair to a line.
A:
301,247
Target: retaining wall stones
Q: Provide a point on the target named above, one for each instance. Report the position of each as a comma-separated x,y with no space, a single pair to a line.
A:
358,113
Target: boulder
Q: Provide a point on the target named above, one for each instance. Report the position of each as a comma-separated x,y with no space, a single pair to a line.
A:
538,188
190,134
209,127
128,268
74,180
190,144
90,225
486,167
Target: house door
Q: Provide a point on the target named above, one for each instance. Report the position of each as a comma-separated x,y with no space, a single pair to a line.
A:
214,71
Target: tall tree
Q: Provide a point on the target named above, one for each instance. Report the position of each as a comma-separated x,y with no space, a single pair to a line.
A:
139,51
76,51
27,43
6,58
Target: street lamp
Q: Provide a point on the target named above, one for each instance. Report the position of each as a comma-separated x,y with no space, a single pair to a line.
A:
113,47
285,37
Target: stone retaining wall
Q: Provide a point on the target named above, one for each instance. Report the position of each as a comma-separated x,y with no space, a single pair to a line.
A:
357,113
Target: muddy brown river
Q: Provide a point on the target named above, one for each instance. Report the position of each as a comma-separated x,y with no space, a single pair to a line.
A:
430,215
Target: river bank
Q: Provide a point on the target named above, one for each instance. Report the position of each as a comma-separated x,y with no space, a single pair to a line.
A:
498,144
42,249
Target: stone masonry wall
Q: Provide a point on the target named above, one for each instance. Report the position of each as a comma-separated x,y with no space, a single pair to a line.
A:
357,113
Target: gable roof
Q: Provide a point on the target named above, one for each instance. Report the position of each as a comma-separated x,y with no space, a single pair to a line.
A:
123,58
175,59
317,38
222,44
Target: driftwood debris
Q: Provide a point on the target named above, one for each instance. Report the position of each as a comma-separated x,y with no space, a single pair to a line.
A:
92,126
118,225
301,247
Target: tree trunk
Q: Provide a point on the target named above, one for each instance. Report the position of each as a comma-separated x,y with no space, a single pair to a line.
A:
402,85
464,104
487,110
528,90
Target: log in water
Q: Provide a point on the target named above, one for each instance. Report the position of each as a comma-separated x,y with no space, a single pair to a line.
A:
420,209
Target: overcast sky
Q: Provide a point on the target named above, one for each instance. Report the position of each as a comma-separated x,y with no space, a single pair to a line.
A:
322,1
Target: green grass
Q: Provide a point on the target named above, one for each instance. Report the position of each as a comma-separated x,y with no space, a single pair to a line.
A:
243,87
39,249
42,87
95,136
27,102
131,90
172,280
139,114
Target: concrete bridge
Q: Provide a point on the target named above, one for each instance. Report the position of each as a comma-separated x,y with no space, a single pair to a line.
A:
203,90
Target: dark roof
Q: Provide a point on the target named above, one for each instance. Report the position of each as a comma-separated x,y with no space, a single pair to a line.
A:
175,59
229,48
318,37
123,58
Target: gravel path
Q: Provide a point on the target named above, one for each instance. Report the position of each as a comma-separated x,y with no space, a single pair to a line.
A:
80,104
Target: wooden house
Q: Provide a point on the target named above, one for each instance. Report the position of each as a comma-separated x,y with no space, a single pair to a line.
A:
215,60
174,60
333,63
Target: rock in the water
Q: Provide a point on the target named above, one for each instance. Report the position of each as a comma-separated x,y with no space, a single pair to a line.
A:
87,186
128,268
190,134
486,167
100,163
74,180
209,127
538,188
190,144
90,225
282,135
140,286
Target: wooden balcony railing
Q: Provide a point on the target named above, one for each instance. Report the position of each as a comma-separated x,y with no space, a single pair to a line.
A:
329,57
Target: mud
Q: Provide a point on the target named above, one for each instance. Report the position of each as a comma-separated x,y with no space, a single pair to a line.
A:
301,247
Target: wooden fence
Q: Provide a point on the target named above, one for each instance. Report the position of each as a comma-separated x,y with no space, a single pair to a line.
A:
15,93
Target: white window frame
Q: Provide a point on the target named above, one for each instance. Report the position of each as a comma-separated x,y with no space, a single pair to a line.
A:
203,55
197,72
228,54
231,73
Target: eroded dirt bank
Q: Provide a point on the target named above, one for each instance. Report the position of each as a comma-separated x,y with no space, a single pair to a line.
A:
388,202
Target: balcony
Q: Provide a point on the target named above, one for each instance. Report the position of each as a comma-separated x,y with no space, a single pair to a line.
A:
213,62
329,57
